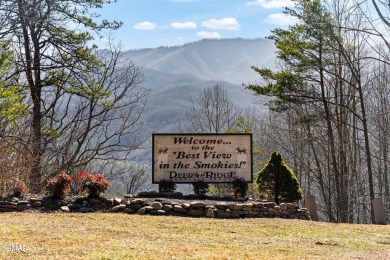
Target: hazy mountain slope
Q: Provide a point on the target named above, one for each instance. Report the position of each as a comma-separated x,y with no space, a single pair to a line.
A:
228,60
177,75
166,107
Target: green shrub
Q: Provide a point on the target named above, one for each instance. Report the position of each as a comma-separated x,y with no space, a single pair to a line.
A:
200,187
220,189
239,187
278,181
167,186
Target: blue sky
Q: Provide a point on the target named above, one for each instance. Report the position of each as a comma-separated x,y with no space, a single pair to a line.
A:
154,23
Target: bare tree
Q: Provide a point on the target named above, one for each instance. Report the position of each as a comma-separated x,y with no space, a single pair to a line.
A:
83,104
385,10
214,112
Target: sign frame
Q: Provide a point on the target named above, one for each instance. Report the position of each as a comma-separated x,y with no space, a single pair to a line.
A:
208,135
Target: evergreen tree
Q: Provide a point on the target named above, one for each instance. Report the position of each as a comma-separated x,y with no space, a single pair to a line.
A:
11,99
278,181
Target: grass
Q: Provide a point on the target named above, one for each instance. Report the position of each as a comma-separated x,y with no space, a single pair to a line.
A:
121,236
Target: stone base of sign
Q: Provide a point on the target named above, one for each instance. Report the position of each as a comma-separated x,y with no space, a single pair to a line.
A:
160,206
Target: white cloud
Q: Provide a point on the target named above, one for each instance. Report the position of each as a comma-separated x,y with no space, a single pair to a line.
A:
271,3
205,34
145,26
281,19
230,24
186,25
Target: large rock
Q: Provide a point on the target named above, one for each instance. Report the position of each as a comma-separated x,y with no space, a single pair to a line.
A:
128,210
117,201
35,199
247,206
65,209
195,212
9,205
158,212
210,213
197,205
258,204
235,207
141,211
179,209
283,206
136,201
13,199
86,210
118,208
74,206
167,208
186,205
148,209
249,214
291,206
157,206
270,204
99,206
37,204
135,206
223,215
235,215
92,200
23,207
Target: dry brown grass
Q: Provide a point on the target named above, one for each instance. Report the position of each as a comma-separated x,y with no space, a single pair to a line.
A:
121,236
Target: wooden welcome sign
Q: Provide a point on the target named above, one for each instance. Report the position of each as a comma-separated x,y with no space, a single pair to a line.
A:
212,158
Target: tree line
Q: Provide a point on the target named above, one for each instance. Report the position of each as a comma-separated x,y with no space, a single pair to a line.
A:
64,104
329,110
329,106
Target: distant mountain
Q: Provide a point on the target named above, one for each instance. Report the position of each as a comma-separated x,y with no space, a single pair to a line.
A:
177,75
228,60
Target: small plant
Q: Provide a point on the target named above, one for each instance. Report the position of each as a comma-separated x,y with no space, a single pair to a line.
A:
278,181
200,187
20,189
93,184
220,189
58,186
239,187
167,186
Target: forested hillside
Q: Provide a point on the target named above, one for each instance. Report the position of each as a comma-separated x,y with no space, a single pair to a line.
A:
228,60
331,110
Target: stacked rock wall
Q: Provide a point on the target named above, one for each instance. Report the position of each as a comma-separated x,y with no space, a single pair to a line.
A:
161,207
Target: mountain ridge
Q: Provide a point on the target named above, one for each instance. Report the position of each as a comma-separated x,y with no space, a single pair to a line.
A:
177,75
228,60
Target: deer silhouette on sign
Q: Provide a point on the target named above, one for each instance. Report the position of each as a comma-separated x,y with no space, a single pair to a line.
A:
241,150
163,151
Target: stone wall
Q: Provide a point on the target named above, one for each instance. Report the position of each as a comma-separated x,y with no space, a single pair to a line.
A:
142,206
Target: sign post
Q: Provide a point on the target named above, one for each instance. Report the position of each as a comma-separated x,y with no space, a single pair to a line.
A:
212,158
